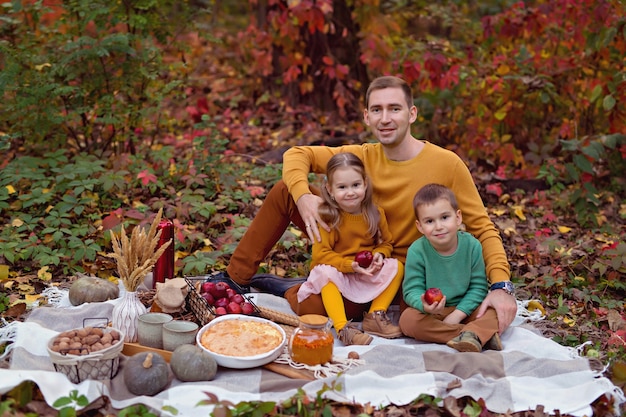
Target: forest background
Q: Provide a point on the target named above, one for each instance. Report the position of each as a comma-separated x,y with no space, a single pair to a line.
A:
113,110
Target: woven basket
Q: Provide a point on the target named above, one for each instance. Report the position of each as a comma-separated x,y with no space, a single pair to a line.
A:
201,309
205,313
103,364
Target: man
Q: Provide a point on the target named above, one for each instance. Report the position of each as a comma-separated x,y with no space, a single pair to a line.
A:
398,165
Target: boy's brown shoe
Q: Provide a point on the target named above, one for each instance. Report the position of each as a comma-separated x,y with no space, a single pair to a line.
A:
377,323
466,342
350,335
494,343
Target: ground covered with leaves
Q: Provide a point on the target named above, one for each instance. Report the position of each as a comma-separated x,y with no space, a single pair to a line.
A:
552,261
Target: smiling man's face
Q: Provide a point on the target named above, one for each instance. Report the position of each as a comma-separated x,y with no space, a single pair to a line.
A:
389,116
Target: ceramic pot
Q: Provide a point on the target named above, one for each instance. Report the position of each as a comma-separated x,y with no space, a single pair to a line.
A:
150,330
179,332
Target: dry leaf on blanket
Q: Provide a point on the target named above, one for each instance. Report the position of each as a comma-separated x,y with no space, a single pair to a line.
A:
454,384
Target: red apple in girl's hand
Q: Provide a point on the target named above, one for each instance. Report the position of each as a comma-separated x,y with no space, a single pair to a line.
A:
433,295
364,258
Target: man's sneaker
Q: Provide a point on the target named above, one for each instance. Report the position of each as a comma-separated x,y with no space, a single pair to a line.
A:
494,343
466,342
377,323
222,276
273,284
351,335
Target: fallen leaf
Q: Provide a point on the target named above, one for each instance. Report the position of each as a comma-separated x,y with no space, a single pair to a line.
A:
456,383
616,322
618,369
507,226
451,404
15,311
43,274
498,211
26,288
568,321
519,212
31,299
534,305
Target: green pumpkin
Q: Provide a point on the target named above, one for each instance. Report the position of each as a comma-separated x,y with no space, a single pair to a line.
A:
191,363
146,373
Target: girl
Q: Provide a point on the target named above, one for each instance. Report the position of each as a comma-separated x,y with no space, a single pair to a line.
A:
357,224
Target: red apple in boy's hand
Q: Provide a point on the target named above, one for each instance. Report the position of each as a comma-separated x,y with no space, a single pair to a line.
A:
364,258
433,295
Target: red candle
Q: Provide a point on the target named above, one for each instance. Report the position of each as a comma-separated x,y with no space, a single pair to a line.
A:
164,267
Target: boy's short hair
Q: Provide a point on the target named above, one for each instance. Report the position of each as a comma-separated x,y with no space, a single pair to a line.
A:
430,193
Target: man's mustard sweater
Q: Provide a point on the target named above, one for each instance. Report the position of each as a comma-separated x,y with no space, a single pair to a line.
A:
395,184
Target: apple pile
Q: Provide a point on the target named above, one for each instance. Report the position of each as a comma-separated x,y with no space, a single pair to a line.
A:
224,299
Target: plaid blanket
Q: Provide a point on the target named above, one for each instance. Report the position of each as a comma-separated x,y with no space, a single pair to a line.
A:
530,371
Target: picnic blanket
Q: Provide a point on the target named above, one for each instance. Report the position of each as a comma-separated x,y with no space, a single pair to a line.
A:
531,370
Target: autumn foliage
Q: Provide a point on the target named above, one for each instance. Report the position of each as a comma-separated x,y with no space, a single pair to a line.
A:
111,111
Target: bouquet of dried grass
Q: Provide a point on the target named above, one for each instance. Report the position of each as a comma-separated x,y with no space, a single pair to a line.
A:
136,256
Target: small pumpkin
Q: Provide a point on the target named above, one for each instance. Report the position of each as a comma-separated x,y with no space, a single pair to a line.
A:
191,363
90,289
146,373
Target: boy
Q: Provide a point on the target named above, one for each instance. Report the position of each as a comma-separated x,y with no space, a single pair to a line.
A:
451,260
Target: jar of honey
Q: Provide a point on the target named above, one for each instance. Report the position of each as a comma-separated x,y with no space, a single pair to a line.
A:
312,341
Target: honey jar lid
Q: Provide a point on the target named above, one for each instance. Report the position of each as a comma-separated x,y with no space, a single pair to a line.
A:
314,319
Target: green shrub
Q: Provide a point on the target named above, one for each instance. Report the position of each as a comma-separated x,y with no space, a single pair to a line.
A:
84,75
588,171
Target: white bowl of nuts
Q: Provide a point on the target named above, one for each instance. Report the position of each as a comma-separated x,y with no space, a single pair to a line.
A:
87,353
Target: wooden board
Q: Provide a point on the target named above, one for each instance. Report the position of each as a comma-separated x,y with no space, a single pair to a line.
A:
283,369
288,371
132,348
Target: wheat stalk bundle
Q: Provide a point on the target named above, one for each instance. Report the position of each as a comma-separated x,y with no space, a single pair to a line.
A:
136,256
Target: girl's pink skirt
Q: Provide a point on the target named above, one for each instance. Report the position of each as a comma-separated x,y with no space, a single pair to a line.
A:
355,287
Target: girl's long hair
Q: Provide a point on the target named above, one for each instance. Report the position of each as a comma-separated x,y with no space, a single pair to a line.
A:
329,210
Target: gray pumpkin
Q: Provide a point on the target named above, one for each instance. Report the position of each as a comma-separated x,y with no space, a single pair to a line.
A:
88,289
146,373
191,363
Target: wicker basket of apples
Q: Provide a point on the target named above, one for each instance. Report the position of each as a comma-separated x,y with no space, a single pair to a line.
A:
209,298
